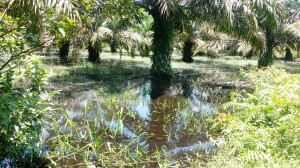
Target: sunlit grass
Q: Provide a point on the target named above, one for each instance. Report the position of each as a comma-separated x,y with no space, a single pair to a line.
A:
261,129
114,67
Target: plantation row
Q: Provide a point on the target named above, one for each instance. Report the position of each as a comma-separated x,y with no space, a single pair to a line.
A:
38,124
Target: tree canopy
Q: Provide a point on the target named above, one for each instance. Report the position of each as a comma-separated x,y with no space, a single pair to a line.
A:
259,22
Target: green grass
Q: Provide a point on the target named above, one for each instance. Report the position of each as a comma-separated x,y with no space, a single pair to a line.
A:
262,128
114,67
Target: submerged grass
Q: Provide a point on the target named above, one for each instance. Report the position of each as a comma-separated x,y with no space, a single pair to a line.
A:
109,140
101,128
91,141
253,130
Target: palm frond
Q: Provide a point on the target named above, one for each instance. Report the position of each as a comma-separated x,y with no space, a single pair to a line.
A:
147,38
101,34
243,48
23,7
130,40
129,37
240,19
27,7
82,35
292,31
104,33
295,16
66,6
166,7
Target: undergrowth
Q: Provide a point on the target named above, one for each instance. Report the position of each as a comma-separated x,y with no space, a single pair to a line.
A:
261,129
23,104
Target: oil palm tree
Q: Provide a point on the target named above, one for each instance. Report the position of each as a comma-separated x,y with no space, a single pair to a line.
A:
281,32
292,32
217,11
186,29
284,35
94,42
292,25
144,28
274,28
36,14
209,41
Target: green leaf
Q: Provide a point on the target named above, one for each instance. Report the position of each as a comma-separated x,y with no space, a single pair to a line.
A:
63,33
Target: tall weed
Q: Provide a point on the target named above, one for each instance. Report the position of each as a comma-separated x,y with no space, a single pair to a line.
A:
261,129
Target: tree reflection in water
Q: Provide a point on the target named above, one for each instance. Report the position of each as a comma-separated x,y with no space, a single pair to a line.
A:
166,128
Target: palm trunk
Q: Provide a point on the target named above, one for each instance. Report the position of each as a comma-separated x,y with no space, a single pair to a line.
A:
162,46
266,57
144,50
113,45
187,51
147,51
298,50
288,55
64,52
94,55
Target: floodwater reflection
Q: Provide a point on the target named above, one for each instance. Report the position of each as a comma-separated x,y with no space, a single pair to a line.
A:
171,109
160,115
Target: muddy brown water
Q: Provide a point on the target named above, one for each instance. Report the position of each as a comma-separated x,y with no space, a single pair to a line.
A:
167,114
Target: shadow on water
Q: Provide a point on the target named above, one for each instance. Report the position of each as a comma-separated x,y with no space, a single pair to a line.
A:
162,115
169,123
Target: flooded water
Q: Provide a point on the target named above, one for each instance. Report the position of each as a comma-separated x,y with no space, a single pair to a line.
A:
157,114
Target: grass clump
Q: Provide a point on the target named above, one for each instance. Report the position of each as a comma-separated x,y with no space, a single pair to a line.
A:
102,137
261,129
